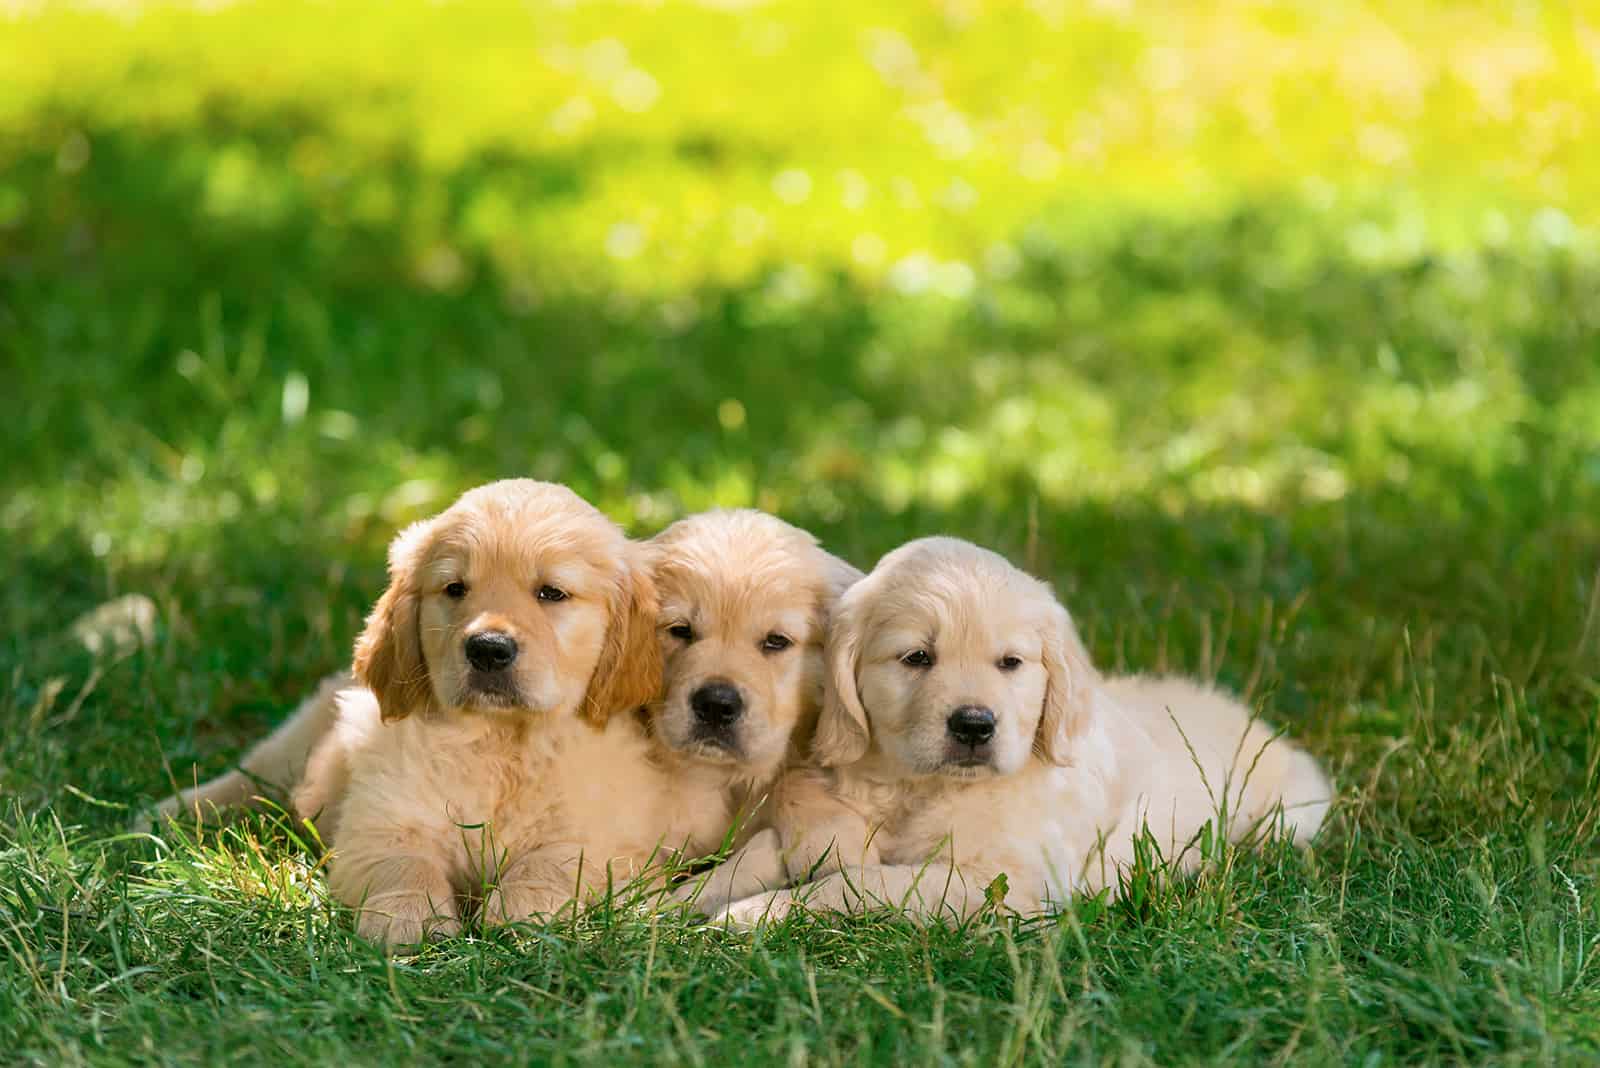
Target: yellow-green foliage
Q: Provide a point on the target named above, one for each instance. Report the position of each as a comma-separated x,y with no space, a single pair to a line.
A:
1101,248
676,143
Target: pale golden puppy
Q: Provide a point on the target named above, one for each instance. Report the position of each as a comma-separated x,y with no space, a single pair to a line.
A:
745,603
966,736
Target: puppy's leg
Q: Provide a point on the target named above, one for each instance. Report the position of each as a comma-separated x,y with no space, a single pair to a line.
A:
1283,777
1114,853
324,785
820,833
926,892
755,867
281,758
232,789
402,900
276,762
536,886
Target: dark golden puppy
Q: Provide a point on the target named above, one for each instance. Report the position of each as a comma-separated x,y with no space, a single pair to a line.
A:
484,757
745,600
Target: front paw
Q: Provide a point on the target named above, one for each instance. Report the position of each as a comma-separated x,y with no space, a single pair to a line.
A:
754,869
519,903
703,897
406,919
755,911
710,892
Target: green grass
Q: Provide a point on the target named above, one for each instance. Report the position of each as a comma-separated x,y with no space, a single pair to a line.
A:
1270,334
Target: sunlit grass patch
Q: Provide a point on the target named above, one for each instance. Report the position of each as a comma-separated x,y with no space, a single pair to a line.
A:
271,869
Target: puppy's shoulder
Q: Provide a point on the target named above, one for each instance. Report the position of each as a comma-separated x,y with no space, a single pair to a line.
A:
360,739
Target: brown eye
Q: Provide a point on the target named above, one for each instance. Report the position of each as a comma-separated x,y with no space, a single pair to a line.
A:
681,631
775,643
552,594
917,658
456,590
1009,663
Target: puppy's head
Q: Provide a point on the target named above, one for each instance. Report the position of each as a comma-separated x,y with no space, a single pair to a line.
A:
745,601
946,660
519,598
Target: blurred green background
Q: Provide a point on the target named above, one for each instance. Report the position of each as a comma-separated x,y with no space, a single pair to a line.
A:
1092,282
1269,332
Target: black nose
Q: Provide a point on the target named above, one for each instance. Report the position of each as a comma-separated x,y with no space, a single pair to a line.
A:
971,725
491,650
717,704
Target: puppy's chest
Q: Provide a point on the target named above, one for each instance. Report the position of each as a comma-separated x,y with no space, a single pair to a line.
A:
928,822
535,790
505,796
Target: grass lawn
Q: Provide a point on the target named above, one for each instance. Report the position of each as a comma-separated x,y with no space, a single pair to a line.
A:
1269,333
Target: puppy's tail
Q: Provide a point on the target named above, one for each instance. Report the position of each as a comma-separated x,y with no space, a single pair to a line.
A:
1307,796
276,763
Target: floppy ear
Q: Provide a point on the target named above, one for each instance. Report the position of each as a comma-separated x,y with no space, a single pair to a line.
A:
628,673
842,733
837,576
1070,688
388,656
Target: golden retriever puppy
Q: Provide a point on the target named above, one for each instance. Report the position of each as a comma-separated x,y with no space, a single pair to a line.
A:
966,736
745,603
498,756
493,756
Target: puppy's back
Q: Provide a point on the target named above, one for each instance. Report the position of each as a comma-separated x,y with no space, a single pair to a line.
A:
1204,745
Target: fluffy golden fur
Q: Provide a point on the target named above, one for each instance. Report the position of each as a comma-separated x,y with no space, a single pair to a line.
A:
440,783
746,600
457,778
966,735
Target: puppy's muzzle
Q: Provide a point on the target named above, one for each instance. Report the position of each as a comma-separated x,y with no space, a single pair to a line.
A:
971,725
491,651
717,705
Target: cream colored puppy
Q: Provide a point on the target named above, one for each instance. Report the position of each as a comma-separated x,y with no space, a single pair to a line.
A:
966,736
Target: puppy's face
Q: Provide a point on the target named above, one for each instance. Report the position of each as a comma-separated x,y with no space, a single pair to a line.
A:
513,617
745,600
518,599
948,661
952,677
